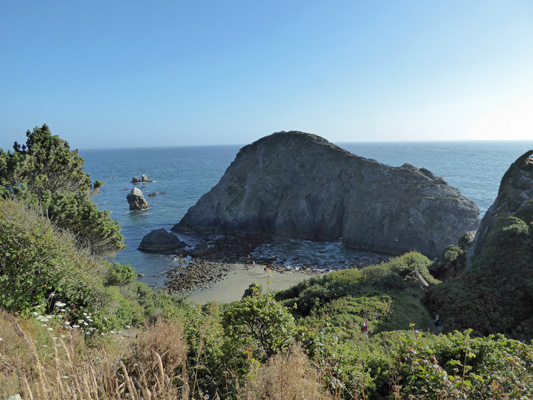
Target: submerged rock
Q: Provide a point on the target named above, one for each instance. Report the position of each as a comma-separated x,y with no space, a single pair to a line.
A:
299,185
136,200
160,240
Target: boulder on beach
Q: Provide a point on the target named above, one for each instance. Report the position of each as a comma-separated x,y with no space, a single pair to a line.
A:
160,240
299,185
136,200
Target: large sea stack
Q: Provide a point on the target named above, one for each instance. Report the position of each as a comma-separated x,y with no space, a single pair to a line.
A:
300,185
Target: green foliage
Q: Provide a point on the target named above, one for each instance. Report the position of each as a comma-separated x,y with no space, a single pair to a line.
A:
457,366
44,172
387,294
40,265
120,275
205,339
496,294
259,324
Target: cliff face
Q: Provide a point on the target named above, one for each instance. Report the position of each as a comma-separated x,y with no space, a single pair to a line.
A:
302,186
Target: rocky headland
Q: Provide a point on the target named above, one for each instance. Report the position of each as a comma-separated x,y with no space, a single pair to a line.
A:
494,294
299,185
514,200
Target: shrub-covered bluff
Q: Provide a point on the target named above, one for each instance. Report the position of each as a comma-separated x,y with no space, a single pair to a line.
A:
495,294
302,343
299,185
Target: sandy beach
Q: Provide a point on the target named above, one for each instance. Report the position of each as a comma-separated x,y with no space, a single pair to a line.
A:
232,287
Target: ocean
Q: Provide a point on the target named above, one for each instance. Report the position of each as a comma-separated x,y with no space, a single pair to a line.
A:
183,174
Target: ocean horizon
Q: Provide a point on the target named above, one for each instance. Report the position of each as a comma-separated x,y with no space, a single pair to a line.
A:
182,174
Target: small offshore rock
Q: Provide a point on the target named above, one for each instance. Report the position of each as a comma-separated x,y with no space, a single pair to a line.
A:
160,240
136,200
144,178
153,194
135,180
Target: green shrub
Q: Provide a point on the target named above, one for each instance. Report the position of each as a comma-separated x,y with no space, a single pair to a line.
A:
260,324
495,295
388,294
120,275
40,265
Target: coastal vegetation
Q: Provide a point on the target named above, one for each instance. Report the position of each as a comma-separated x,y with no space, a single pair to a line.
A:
74,324
47,175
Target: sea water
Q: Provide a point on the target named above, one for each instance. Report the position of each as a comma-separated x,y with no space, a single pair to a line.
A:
183,174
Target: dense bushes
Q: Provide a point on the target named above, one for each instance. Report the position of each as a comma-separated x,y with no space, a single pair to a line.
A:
388,295
40,265
496,294
45,173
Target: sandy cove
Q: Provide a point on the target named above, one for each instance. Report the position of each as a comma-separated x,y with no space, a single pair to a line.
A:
222,268
232,286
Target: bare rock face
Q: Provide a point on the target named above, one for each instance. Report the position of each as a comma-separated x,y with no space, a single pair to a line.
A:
299,185
160,240
136,200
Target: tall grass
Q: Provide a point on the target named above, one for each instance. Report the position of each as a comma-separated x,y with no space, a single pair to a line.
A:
63,366
285,377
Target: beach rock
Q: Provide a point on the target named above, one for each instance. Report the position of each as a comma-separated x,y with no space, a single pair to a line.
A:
135,180
144,178
253,290
298,185
160,240
136,200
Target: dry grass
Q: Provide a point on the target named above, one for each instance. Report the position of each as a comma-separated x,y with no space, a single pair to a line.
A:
285,377
60,365
66,368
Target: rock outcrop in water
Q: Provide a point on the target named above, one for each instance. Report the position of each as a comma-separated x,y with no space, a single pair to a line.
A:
299,185
160,240
136,200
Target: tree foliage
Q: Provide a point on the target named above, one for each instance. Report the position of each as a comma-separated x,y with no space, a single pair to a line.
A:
44,172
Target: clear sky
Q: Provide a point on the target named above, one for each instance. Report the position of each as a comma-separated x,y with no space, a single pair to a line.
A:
136,73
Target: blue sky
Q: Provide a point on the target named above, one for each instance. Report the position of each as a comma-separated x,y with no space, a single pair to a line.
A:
129,73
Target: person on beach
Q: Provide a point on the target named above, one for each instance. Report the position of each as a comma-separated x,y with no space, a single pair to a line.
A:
437,322
365,328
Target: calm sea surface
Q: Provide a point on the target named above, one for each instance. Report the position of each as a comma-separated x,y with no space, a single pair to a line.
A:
184,174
